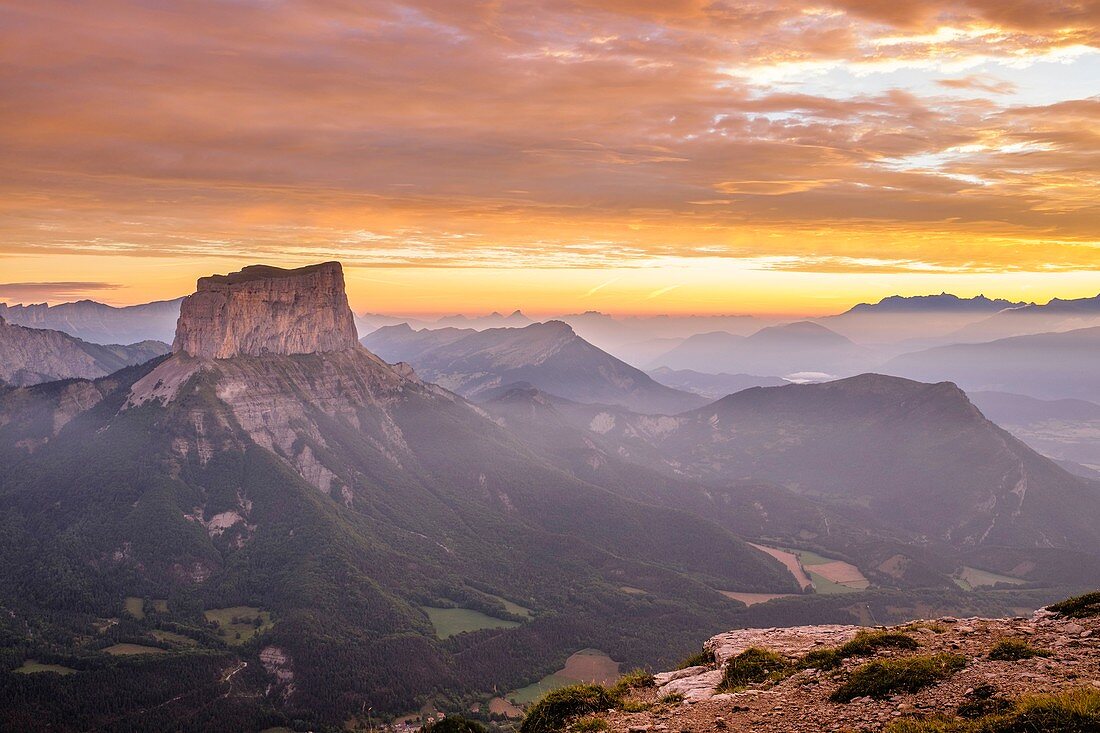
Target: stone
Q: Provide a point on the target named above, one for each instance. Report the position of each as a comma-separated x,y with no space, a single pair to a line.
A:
267,310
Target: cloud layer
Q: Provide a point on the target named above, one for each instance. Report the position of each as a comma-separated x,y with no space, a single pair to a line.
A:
845,135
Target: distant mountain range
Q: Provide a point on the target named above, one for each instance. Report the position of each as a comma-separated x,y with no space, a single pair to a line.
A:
99,323
32,355
550,356
1057,315
711,386
923,318
1046,365
944,302
777,350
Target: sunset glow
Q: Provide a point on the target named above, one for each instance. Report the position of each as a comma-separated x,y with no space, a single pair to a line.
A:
614,155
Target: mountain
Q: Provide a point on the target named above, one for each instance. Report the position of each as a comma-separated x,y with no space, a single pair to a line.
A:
548,355
1065,430
99,323
916,318
1046,366
515,319
942,303
32,355
919,457
299,516
794,347
618,334
1057,315
711,386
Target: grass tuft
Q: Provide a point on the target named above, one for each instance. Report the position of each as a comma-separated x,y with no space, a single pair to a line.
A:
1013,650
1084,606
865,644
704,658
589,724
905,674
635,679
1075,711
752,666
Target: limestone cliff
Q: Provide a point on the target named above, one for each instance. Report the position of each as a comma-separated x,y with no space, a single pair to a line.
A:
267,310
34,355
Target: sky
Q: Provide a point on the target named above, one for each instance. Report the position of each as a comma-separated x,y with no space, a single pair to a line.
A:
628,156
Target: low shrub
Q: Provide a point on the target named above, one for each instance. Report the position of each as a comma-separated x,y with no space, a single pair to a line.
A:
671,698
890,676
1084,606
751,666
556,709
1012,650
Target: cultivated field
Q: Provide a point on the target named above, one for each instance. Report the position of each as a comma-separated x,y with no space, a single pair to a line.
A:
125,650
32,666
587,665
751,599
451,621
237,624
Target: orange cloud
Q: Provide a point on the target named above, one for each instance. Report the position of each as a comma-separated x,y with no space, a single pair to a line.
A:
568,134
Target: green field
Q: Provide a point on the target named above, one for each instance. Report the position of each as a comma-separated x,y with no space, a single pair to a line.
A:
123,650
970,578
451,621
33,667
514,607
174,638
244,628
135,607
587,665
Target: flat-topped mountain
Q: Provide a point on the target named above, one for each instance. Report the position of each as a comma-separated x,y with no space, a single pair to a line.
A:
549,356
33,355
267,310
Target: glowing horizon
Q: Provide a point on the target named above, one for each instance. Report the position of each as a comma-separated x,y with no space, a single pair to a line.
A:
626,156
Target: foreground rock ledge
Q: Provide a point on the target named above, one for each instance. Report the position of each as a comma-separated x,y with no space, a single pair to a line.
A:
801,702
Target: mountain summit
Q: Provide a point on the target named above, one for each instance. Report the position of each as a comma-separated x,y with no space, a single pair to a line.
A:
267,310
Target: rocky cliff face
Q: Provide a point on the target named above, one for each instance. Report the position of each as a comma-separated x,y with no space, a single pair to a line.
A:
267,310
33,355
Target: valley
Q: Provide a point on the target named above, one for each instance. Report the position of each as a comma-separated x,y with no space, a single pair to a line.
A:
284,524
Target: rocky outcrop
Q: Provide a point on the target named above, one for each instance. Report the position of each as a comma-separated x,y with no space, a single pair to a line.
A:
267,310
800,700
